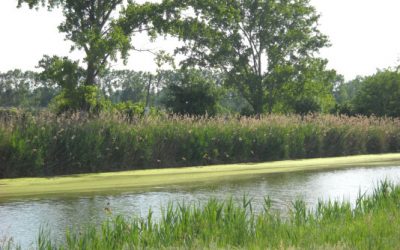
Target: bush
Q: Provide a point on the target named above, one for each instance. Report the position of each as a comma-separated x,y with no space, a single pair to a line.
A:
82,98
306,106
130,110
194,94
379,94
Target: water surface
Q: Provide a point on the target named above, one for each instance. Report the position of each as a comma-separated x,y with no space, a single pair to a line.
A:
22,219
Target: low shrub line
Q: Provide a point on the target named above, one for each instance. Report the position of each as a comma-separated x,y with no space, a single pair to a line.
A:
46,145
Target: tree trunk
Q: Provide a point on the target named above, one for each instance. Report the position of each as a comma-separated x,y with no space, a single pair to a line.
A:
258,98
90,74
148,91
258,107
270,98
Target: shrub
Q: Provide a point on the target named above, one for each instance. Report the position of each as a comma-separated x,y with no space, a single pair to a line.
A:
82,98
194,94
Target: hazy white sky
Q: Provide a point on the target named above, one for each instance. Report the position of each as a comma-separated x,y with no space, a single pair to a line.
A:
364,34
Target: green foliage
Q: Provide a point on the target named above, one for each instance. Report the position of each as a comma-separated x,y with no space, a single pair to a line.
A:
131,111
24,89
310,92
82,98
346,91
306,106
343,109
232,102
45,144
372,224
193,94
125,85
379,94
261,45
61,71
75,95
95,28
88,25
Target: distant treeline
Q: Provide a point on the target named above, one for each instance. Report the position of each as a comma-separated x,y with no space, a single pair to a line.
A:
378,95
192,92
238,57
198,92
45,145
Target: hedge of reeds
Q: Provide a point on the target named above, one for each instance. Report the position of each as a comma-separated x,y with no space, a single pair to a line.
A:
373,223
43,144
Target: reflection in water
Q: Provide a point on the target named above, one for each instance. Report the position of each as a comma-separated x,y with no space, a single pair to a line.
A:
22,219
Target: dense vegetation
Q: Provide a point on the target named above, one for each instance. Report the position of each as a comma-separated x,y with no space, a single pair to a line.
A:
262,52
378,94
45,144
195,92
372,224
242,57
241,60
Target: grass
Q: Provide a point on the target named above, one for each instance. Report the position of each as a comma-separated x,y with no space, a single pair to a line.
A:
43,145
374,223
142,179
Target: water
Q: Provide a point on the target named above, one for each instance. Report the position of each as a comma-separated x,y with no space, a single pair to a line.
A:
22,219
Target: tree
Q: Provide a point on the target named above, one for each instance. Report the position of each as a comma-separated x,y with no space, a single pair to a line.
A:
379,94
344,94
124,85
259,44
89,25
95,27
24,89
194,93
310,92
346,91
74,95
15,86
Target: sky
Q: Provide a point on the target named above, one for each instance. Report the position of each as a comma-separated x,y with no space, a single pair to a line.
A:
364,35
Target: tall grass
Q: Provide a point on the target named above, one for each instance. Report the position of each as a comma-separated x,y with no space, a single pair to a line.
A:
374,223
42,144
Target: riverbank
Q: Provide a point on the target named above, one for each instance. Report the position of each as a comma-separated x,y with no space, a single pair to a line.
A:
373,223
145,179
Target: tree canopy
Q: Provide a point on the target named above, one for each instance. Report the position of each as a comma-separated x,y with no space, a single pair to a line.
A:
379,94
97,28
266,49
89,25
193,92
260,45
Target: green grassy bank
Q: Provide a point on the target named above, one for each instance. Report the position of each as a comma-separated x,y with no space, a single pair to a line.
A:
34,145
374,223
141,179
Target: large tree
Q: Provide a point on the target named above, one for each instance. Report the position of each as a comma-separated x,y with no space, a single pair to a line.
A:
260,44
96,27
88,24
310,91
103,30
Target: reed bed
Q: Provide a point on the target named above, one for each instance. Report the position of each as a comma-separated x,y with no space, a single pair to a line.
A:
43,144
373,223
